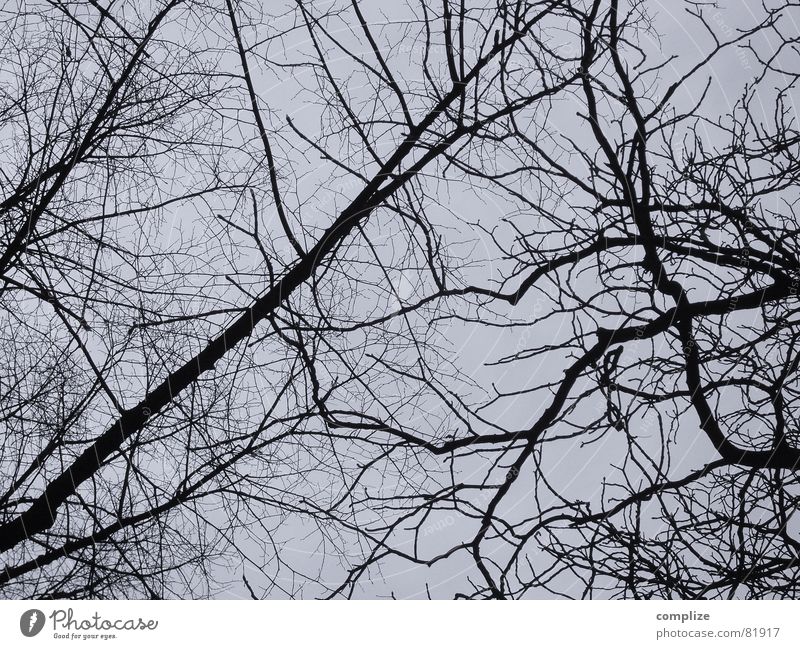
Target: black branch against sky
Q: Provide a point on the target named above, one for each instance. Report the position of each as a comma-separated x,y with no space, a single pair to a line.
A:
427,299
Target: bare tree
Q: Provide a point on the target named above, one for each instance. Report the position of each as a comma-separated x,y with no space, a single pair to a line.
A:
492,293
